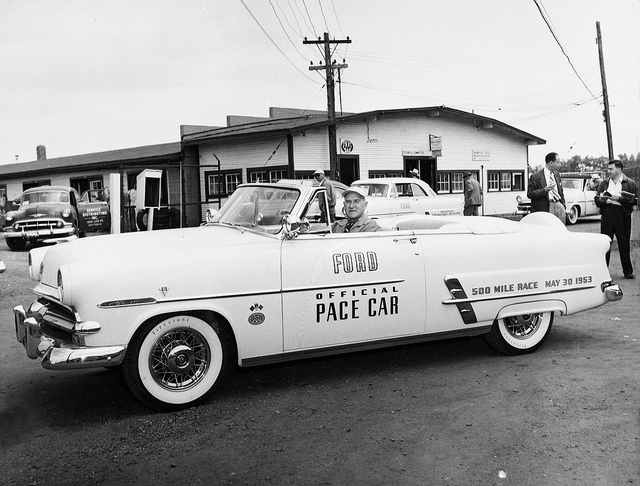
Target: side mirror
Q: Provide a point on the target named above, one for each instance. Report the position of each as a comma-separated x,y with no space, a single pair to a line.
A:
293,225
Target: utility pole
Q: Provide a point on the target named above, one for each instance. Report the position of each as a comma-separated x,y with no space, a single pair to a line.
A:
329,67
605,95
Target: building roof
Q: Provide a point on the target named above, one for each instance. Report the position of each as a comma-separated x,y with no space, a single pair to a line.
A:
305,122
111,158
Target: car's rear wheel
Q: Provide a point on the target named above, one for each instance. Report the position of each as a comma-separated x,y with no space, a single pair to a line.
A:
520,334
16,244
573,214
176,362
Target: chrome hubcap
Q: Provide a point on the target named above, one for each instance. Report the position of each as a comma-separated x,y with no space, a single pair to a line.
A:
522,327
179,359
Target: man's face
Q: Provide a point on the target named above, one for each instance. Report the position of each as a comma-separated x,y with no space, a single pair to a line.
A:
613,171
319,177
553,165
354,206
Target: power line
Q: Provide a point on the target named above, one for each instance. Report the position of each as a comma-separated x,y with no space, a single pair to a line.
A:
547,21
276,45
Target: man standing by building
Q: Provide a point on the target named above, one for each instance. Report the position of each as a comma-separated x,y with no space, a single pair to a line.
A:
545,189
355,203
331,193
472,195
616,196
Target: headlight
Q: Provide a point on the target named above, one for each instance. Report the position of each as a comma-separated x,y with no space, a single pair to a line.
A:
519,199
8,217
66,213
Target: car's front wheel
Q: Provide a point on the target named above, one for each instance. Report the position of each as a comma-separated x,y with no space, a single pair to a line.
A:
176,362
16,244
519,334
573,214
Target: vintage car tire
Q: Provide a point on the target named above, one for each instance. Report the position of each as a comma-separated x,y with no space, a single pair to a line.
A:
16,244
573,214
519,334
176,362
141,220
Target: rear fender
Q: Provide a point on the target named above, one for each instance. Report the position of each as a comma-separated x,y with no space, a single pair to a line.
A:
535,307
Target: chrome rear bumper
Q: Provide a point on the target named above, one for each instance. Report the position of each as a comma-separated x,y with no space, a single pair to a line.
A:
612,291
58,354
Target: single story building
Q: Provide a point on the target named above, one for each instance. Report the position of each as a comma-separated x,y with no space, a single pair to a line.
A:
440,142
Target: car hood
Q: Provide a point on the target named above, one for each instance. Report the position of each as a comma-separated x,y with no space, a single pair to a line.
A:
129,264
39,210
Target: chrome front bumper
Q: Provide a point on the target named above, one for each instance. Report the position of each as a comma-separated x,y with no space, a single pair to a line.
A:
58,353
612,291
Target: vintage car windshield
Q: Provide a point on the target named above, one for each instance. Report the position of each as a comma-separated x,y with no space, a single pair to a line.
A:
45,197
258,207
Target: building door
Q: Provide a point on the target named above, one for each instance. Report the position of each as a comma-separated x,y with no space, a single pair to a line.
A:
426,166
348,169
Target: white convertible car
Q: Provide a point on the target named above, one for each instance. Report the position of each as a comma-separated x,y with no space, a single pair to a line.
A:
265,281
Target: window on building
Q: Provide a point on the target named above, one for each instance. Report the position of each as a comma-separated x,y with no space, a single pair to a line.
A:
378,174
505,180
452,182
223,183
267,174
304,174
30,184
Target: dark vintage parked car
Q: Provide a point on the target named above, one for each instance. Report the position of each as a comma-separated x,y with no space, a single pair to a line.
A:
49,213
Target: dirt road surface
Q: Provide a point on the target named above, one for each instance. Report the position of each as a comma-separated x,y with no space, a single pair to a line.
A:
445,413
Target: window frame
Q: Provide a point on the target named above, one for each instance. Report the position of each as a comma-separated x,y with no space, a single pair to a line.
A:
270,171
223,185
496,180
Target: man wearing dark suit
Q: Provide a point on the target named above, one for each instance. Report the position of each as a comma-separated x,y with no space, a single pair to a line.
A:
545,189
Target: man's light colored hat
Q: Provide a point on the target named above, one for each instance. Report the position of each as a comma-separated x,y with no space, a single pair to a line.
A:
356,190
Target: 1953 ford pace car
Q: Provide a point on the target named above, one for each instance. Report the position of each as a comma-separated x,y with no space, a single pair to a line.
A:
265,281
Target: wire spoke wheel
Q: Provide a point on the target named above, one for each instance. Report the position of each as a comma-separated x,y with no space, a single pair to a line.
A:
176,362
519,334
179,359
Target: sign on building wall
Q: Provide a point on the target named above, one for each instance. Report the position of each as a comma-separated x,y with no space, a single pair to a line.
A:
415,153
435,143
346,146
480,155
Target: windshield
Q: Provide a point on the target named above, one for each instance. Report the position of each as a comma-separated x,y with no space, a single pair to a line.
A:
258,207
60,197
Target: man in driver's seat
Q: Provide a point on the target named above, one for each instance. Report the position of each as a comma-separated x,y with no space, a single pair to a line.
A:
355,203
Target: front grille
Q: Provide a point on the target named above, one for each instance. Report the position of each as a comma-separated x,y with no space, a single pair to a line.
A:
39,224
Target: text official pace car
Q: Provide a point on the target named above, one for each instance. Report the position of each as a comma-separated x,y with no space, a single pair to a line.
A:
265,281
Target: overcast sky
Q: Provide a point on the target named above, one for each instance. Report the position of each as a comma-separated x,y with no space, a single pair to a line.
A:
82,76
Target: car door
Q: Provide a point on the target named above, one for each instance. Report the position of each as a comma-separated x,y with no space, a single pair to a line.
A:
590,202
401,200
340,289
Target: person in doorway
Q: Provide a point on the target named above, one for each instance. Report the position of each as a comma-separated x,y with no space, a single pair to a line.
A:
415,174
331,193
545,189
131,211
472,195
616,196
355,204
